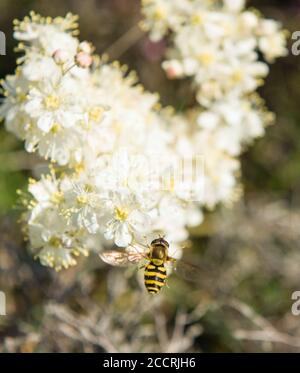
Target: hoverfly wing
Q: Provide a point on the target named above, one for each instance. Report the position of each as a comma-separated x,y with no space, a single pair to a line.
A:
135,254
121,258
187,271
115,258
135,258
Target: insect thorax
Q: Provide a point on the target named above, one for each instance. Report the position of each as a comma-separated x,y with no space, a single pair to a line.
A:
159,252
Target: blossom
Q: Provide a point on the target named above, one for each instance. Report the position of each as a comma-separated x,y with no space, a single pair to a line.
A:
216,44
128,219
124,169
52,107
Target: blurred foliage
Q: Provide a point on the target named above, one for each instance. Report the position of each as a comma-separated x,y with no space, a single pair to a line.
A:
249,257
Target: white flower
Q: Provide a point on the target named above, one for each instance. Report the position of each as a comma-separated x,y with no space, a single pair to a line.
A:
41,68
273,46
46,35
53,107
84,204
217,47
234,5
127,219
169,218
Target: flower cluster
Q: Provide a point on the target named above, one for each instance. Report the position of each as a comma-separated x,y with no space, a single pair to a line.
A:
123,169
218,44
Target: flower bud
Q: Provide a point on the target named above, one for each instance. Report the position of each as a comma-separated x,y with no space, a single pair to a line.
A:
85,47
83,60
60,56
173,69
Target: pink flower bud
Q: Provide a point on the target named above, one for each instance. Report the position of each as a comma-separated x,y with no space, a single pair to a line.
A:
173,69
171,72
60,56
83,59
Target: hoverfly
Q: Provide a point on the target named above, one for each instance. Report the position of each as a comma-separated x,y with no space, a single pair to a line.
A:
155,271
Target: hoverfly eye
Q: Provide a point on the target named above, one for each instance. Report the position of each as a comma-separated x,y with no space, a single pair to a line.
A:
164,242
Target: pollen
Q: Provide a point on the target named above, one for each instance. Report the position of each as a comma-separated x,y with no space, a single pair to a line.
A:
237,76
159,14
82,199
197,19
206,58
21,96
55,242
121,213
57,197
52,102
56,127
95,114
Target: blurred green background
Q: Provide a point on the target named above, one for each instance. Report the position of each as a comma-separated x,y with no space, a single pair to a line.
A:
249,256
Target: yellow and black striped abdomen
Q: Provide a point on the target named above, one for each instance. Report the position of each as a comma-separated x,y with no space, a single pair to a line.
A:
155,277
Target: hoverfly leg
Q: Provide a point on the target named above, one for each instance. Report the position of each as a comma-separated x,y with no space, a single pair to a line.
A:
171,260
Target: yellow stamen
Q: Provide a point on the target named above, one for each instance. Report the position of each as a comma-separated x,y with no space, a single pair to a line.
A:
121,213
95,114
206,58
159,14
197,19
57,197
56,127
51,102
82,199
